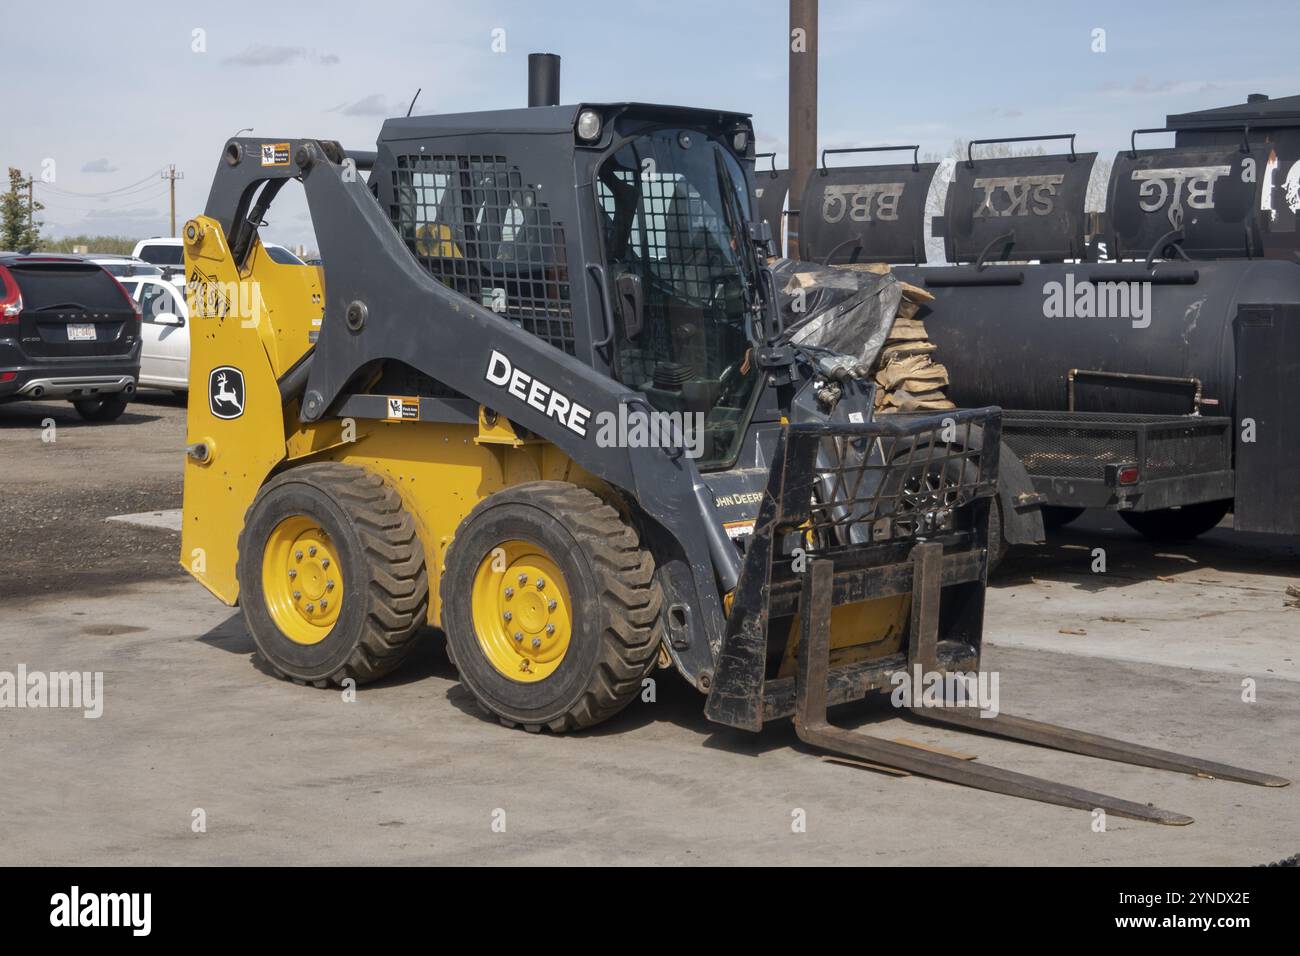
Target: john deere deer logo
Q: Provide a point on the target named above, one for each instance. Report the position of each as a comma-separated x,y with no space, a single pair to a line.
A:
226,392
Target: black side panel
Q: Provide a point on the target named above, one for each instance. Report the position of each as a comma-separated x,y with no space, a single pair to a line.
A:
865,213
1018,208
770,189
1268,469
1209,198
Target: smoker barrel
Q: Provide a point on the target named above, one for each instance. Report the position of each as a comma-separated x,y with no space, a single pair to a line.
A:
1016,344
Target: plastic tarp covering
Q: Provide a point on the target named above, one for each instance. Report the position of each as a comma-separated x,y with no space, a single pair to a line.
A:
846,311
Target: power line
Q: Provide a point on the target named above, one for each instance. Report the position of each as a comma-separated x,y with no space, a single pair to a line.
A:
118,194
95,195
136,202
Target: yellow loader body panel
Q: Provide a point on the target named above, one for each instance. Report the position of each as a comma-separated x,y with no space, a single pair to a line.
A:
255,326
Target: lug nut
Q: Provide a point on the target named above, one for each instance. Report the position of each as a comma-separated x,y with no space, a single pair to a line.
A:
510,592
523,579
297,595
324,604
550,628
519,636
541,583
312,550
329,585
292,574
537,642
298,555
550,605
310,606
508,615
325,563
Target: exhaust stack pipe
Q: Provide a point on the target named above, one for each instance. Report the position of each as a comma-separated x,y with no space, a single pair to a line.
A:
543,79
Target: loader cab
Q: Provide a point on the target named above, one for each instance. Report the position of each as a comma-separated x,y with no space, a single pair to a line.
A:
618,233
674,232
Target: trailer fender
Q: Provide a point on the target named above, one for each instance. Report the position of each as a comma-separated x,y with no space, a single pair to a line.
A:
1022,512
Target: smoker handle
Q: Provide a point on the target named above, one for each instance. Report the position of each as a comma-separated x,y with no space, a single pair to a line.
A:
970,147
771,156
916,154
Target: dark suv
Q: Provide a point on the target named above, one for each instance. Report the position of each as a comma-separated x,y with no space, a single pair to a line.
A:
67,330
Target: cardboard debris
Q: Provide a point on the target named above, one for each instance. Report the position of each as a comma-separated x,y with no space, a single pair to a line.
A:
908,378
902,349
907,309
907,330
916,373
915,293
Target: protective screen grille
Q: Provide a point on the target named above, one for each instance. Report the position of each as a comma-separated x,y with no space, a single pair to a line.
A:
682,244
914,485
474,224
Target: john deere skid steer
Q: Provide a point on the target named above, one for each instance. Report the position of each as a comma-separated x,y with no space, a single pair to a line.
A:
547,396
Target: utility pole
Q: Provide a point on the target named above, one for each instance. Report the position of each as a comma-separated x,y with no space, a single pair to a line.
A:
31,180
803,106
171,176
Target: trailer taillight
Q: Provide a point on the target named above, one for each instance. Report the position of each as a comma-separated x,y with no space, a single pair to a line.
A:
1124,473
11,300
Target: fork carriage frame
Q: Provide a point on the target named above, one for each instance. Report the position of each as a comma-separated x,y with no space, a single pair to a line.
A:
944,571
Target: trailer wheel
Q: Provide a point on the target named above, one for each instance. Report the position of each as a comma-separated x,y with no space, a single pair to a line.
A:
1177,524
998,546
1057,516
331,575
108,408
551,607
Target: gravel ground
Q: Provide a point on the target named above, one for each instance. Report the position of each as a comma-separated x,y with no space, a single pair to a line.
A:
55,495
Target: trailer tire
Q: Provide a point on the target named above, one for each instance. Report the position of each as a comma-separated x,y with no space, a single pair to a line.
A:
108,408
571,646
1058,516
998,546
361,529
1177,524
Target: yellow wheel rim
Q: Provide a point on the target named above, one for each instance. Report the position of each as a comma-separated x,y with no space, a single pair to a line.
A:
302,580
522,612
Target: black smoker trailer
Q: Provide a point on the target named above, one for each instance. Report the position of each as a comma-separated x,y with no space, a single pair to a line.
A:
1147,360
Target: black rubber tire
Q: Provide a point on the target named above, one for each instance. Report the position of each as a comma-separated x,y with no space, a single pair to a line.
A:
998,546
1056,516
383,565
1177,524
616,599
109,408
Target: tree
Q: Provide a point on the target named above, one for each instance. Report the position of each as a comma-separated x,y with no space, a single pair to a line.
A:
19,228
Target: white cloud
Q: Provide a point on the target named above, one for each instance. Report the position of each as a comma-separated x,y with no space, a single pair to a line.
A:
261,54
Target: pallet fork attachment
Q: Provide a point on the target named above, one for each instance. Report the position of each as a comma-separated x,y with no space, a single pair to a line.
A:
813,727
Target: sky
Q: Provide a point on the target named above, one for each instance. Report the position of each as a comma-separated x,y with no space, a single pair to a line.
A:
103,97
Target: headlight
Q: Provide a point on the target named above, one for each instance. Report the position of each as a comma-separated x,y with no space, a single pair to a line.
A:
740,141
588,125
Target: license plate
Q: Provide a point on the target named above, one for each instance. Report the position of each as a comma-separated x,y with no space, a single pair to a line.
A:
81,333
